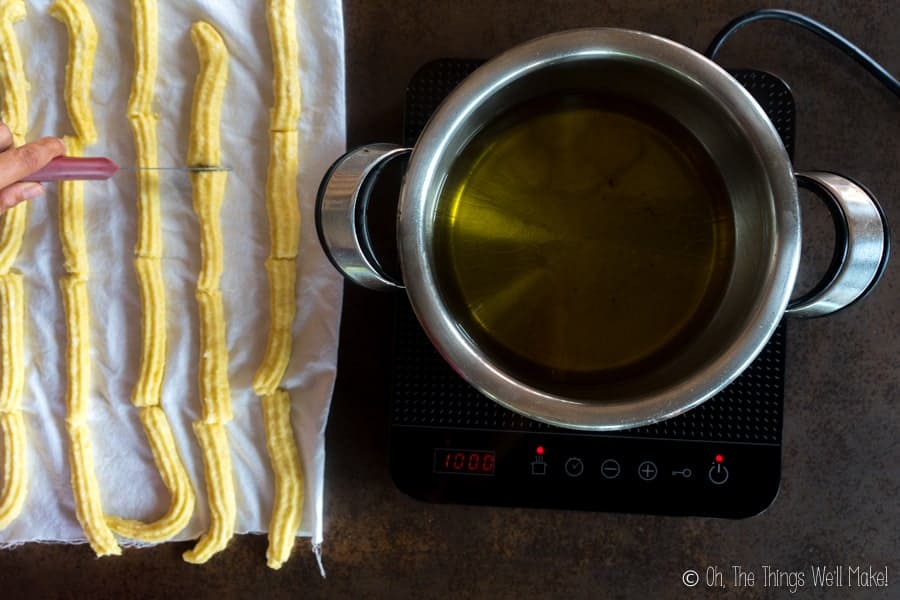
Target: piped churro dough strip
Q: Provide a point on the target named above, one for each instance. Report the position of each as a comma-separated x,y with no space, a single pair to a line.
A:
174,476
71,219
12,233
78,359
281,197
145,25
14,476
13,112
213,441
85,487
281,194
88,505
208,195
215,392
282,309
148,388
147,392
283,212
12,343
15,471
75,16
287,510
204,143
281,18
149,240
79,70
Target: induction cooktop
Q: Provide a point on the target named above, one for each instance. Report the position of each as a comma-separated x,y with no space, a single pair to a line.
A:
449,443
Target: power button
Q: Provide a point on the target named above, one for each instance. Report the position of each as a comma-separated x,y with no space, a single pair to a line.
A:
718,473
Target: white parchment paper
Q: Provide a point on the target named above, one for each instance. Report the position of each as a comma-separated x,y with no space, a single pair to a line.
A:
129,481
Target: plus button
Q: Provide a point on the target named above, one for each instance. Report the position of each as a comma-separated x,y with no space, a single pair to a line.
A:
647,470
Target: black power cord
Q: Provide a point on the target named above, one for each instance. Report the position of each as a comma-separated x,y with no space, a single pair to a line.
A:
866,61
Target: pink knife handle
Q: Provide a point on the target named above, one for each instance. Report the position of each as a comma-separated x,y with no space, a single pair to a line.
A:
64,168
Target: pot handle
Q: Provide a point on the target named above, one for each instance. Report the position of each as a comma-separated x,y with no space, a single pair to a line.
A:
341,206
862,247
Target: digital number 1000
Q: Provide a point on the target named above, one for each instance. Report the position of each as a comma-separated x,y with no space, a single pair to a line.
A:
464,461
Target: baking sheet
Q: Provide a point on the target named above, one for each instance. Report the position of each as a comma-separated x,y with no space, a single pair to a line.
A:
129,481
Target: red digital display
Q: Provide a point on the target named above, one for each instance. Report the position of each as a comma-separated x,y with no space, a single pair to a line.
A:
465,462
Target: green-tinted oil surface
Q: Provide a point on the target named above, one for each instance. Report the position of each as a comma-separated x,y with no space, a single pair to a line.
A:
583,238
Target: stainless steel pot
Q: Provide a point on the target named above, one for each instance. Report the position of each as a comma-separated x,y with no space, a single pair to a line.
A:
737,134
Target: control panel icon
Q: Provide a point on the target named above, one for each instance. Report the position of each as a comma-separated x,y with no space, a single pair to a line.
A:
538,466
610,468
718,473
574,467
647,470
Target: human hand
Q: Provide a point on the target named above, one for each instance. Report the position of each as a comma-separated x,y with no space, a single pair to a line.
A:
16,163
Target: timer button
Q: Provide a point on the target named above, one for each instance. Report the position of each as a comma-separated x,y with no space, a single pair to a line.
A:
718,474
574,467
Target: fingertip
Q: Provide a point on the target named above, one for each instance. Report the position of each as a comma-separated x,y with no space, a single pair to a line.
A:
19,192
32,190
55,145
6,137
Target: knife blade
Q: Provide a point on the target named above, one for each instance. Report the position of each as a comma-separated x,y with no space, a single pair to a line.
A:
65,168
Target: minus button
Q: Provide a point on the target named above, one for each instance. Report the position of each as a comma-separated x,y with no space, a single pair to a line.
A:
610,468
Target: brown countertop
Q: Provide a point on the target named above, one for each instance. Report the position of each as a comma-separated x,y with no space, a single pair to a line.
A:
838,499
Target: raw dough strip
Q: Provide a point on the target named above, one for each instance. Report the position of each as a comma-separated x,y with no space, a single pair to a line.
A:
147,392
88,506
204,144
12,424
156,425
148,388
12,343
281,17
283,211
149,241
213,441
281,188
12,233
71,220
282,309
78,358
14,113
168,461
15,471
85,487
287,510
208,195
281,194
75,16
15,87
145,25
79,70
215,392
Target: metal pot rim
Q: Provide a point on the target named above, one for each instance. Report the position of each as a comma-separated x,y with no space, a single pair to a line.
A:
423,177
